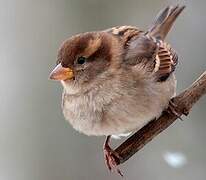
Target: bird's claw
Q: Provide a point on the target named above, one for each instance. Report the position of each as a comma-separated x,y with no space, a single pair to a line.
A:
172,109
110,157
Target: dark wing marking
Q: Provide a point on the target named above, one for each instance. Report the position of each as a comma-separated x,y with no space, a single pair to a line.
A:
165,61
157,56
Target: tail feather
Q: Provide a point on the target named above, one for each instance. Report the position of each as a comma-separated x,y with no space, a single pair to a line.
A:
164,21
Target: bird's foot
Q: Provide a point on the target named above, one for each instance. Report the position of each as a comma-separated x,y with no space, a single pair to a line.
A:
173,109
111,157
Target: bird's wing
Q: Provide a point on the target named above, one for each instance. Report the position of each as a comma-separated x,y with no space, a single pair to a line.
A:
157,56
140,47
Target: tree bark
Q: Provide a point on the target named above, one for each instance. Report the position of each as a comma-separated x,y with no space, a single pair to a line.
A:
184,102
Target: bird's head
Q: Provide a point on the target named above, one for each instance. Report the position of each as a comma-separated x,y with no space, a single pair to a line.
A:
84,58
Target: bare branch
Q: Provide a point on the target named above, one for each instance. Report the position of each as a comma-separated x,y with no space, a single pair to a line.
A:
184,102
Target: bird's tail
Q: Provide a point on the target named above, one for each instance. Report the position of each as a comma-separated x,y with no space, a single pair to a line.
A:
164,21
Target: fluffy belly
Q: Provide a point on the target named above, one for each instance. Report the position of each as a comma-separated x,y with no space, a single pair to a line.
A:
95,116
120,117
113,122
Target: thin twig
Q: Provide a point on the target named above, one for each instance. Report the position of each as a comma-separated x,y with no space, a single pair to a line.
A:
184,102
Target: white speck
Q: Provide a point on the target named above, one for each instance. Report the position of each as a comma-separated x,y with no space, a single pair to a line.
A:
121,135
175,159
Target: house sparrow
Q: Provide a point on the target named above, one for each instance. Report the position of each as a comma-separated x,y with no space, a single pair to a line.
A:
117,80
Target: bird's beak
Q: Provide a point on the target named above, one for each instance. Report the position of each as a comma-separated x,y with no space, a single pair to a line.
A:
61,73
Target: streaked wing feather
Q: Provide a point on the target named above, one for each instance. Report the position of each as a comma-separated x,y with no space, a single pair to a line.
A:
161,59
168,60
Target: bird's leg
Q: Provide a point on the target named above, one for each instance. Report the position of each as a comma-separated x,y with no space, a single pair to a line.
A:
172,109
110,156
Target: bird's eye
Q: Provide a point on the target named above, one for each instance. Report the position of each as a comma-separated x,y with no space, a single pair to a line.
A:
81,60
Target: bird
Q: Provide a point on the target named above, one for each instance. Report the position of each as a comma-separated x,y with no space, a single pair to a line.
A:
117,80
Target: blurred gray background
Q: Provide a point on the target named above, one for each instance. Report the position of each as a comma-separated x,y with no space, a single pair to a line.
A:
36,143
